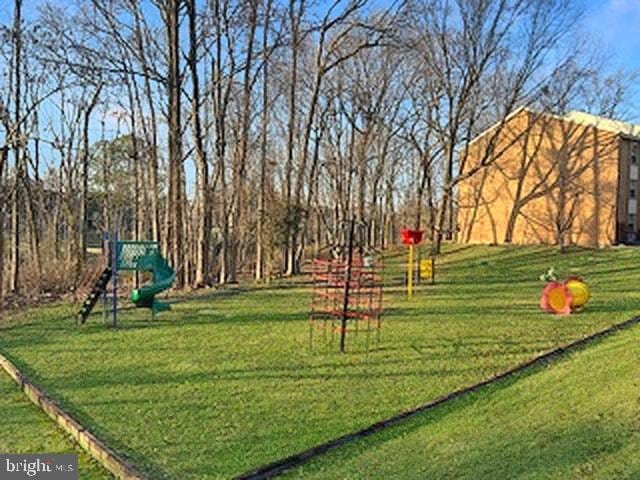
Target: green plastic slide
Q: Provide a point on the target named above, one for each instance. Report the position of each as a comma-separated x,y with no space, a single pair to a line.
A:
163,278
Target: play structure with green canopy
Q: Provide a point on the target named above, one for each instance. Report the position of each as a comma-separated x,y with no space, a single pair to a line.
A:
134,256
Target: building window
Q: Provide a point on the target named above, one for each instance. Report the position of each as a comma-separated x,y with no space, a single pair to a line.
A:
632,193
634,158
632,220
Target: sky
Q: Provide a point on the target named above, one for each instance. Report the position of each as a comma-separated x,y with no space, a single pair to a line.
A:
615,26
615,23
612,25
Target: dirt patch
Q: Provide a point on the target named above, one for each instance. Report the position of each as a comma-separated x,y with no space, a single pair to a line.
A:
12,302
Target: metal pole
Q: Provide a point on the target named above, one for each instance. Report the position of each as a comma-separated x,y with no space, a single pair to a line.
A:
106,251
433,269
347,280
114,277
410,273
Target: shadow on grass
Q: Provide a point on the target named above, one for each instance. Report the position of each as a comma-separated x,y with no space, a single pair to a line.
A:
408,426
425,364
546,458
88,421
512,257
569,449
142,377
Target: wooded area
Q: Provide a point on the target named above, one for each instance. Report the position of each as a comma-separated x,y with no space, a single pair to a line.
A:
241,133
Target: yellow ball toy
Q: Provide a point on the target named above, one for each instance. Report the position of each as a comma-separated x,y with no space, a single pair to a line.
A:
579,292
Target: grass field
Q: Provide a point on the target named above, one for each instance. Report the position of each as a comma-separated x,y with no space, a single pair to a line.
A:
226,381
575,419
25,429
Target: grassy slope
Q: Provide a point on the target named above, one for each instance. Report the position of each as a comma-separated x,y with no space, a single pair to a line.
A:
226,381
576,419
24,429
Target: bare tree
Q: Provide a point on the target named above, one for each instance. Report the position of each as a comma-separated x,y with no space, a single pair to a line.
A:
480,75
264,129
202,186
17,146
295,116
174,217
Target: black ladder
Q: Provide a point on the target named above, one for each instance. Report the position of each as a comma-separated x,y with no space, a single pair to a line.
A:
97,290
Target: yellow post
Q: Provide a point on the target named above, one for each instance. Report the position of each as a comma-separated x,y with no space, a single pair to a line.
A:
410,273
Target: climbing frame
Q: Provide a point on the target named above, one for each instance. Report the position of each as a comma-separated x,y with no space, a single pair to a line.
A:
347,295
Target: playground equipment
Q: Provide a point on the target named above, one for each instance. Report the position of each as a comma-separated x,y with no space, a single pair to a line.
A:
347,287
410,238
135,256
564,297
428,269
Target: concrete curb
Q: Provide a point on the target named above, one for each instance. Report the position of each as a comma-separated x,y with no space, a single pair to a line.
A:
87,440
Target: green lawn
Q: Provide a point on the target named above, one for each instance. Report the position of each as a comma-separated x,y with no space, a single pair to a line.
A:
25,429
225,381
575,419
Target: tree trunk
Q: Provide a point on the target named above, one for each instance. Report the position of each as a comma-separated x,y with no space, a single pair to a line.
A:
4,154
477,200
84,211
511,223
17,150
597,196
134,157
202,182
446,201
221,98
174,207
153,165
152,136
34,237
240,157
260,240
432,207
294,18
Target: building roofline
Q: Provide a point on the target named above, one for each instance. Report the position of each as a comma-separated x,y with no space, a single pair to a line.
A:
570,119
513,114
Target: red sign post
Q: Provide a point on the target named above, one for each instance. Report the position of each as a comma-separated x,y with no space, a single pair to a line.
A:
410,238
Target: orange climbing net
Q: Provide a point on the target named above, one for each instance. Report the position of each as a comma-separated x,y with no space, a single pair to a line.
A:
347,297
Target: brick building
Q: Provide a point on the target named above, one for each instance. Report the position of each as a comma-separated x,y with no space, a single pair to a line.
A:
570,180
